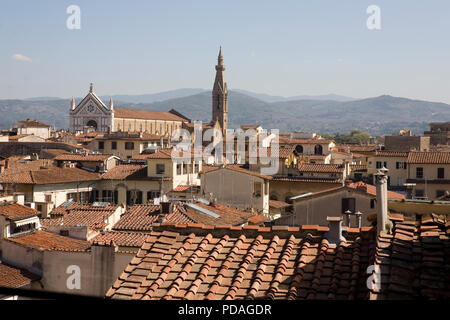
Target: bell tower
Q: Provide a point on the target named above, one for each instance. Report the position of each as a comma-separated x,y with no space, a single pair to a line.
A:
220,96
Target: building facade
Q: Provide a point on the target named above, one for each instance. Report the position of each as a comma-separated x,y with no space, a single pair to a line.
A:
91,112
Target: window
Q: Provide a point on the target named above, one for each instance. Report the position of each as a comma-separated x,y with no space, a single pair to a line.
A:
134,197
257,187
419,193
39,207
107,196
348,204
129,145
440,173
94,195
48,198
178,168
440,193
419,172
372,203
101,145
114,145
400,165
153,194
378,166
196,167
185,168
64,233
160,168
116,196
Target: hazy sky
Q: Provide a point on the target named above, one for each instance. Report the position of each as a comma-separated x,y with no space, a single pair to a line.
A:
275,47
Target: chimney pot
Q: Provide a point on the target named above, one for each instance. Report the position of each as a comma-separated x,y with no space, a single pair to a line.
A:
334,235
382,203
347,217
358,219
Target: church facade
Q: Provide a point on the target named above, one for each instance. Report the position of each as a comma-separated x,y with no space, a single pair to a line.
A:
92,113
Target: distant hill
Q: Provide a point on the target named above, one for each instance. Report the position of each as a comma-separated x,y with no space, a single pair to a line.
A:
149,98
379,115
269,98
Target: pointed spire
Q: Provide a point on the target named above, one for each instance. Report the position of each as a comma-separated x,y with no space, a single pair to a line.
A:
111,104
91,88
220,58
72,104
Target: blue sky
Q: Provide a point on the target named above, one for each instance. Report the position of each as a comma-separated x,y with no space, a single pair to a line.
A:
275,47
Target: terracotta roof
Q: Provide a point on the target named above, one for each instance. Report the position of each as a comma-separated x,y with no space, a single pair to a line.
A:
146,115
141,218
390,154
278,204
371,189
200,262
429,157
19,164
283,152
16,211
121,238
414,260
81,157
181,188
358,167
235,167
131,172
226,215
287,140
326,168
50,175
308,179
131,135
88,215
13,277
52,153
33,123
160,154
71,205
42,241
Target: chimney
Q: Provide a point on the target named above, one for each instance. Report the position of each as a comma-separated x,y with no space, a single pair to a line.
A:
358,219
334,235
165,207
347,217
382,203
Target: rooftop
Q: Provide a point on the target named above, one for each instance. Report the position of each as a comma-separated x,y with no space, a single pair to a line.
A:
121,238
33,123
201,262
46,241
82,157
429,157
146,115
80,214
142,217
12,277
16,211
325,168
49,175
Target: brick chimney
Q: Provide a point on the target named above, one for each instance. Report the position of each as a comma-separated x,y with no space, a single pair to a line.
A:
381,179
334,235
165,208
